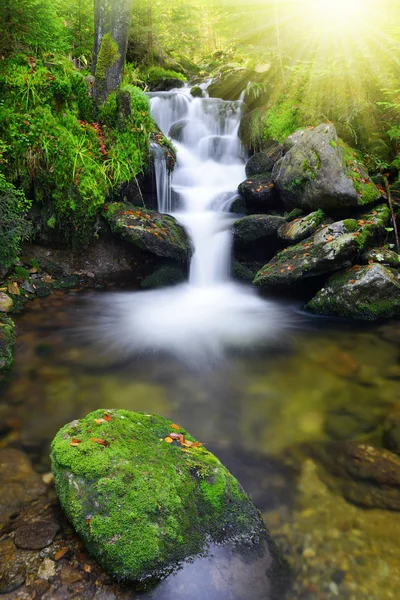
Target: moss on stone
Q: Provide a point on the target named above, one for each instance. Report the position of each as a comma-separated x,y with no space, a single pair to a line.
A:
108,56
350,225
141,504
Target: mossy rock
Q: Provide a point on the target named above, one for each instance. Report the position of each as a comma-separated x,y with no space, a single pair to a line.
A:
164,276
330,249
260,195
143,503
229,85
68,282
369,293
7,341
259,164
177,130
301,228
319,171
149,230
196,92
383,256
256,228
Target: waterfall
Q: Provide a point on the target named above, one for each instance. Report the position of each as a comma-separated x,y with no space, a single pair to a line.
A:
210,166
200,320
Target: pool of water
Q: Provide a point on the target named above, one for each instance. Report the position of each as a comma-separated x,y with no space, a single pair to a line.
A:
258,411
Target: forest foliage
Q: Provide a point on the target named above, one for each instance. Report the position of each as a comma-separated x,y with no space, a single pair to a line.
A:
67,156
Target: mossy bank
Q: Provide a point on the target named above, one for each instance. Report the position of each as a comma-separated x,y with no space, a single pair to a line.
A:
144,495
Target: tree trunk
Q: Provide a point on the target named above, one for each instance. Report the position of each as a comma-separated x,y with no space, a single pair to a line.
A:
111,21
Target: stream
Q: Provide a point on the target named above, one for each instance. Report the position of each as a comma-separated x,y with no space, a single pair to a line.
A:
256,380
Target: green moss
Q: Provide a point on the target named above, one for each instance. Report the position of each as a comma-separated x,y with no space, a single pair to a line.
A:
108,56
141,504
21,273
333,144
350,225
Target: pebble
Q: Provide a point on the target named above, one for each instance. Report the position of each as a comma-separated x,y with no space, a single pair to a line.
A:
47,569
36,536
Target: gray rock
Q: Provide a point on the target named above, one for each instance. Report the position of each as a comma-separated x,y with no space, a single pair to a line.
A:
381,256
368,293
319,171
260,195
176,131
165,275
256,228
259,164
6,303
37,535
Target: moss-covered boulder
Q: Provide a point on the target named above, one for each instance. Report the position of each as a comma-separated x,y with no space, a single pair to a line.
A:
157,233
7,341
196,92
259,164
260,195
370,292
256,236
301,228
318,170
330,249
229,85
383,256
144,495
177,130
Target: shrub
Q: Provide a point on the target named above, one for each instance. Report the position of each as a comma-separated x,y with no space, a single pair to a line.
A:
13,224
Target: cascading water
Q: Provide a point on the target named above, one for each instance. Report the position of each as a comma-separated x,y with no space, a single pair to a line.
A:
199,320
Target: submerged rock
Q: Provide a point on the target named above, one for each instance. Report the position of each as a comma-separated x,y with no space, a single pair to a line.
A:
144,496
177,130
368,293
363,474
152,231
328,250
301,228
319,171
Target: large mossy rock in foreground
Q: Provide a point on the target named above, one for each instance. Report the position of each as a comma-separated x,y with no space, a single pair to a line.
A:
147,229
368,293
144,503
319,171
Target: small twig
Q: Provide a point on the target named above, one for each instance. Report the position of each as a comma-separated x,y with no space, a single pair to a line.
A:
140,192
389,197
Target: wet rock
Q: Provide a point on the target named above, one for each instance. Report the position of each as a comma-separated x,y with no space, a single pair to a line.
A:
149,230
142,505
319,171
367,293
19,483
350,422
35,536
259,164
363,474
196,92
244,271
70,575
385,257
7,341
164,276
6,302
68,282
177,130
256,229
328,250
47,569
230,85
299,229
12,568
260,195
238,206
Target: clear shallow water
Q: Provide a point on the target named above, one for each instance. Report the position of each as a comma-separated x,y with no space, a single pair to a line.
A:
326,380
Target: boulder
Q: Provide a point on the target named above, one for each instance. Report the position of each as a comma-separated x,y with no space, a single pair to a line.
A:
256,236
260,195
149,230
196,92
259,164
301,228
6,303
7,341
330,249
369,293
363,474
382,256
144,496
318,170
176,131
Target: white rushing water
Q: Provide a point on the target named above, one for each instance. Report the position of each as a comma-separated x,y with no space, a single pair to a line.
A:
200,319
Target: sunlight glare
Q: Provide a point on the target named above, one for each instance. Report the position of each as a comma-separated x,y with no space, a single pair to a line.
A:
335,14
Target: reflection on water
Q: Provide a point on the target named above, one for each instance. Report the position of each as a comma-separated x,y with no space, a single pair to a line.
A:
256,411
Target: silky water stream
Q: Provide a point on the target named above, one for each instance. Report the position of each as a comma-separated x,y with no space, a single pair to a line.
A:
261,384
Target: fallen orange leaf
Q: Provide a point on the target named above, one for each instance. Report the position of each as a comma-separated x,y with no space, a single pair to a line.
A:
75,442
175,426
168,440
100,441
62,552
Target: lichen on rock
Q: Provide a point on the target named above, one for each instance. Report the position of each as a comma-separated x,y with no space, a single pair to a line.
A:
142,500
